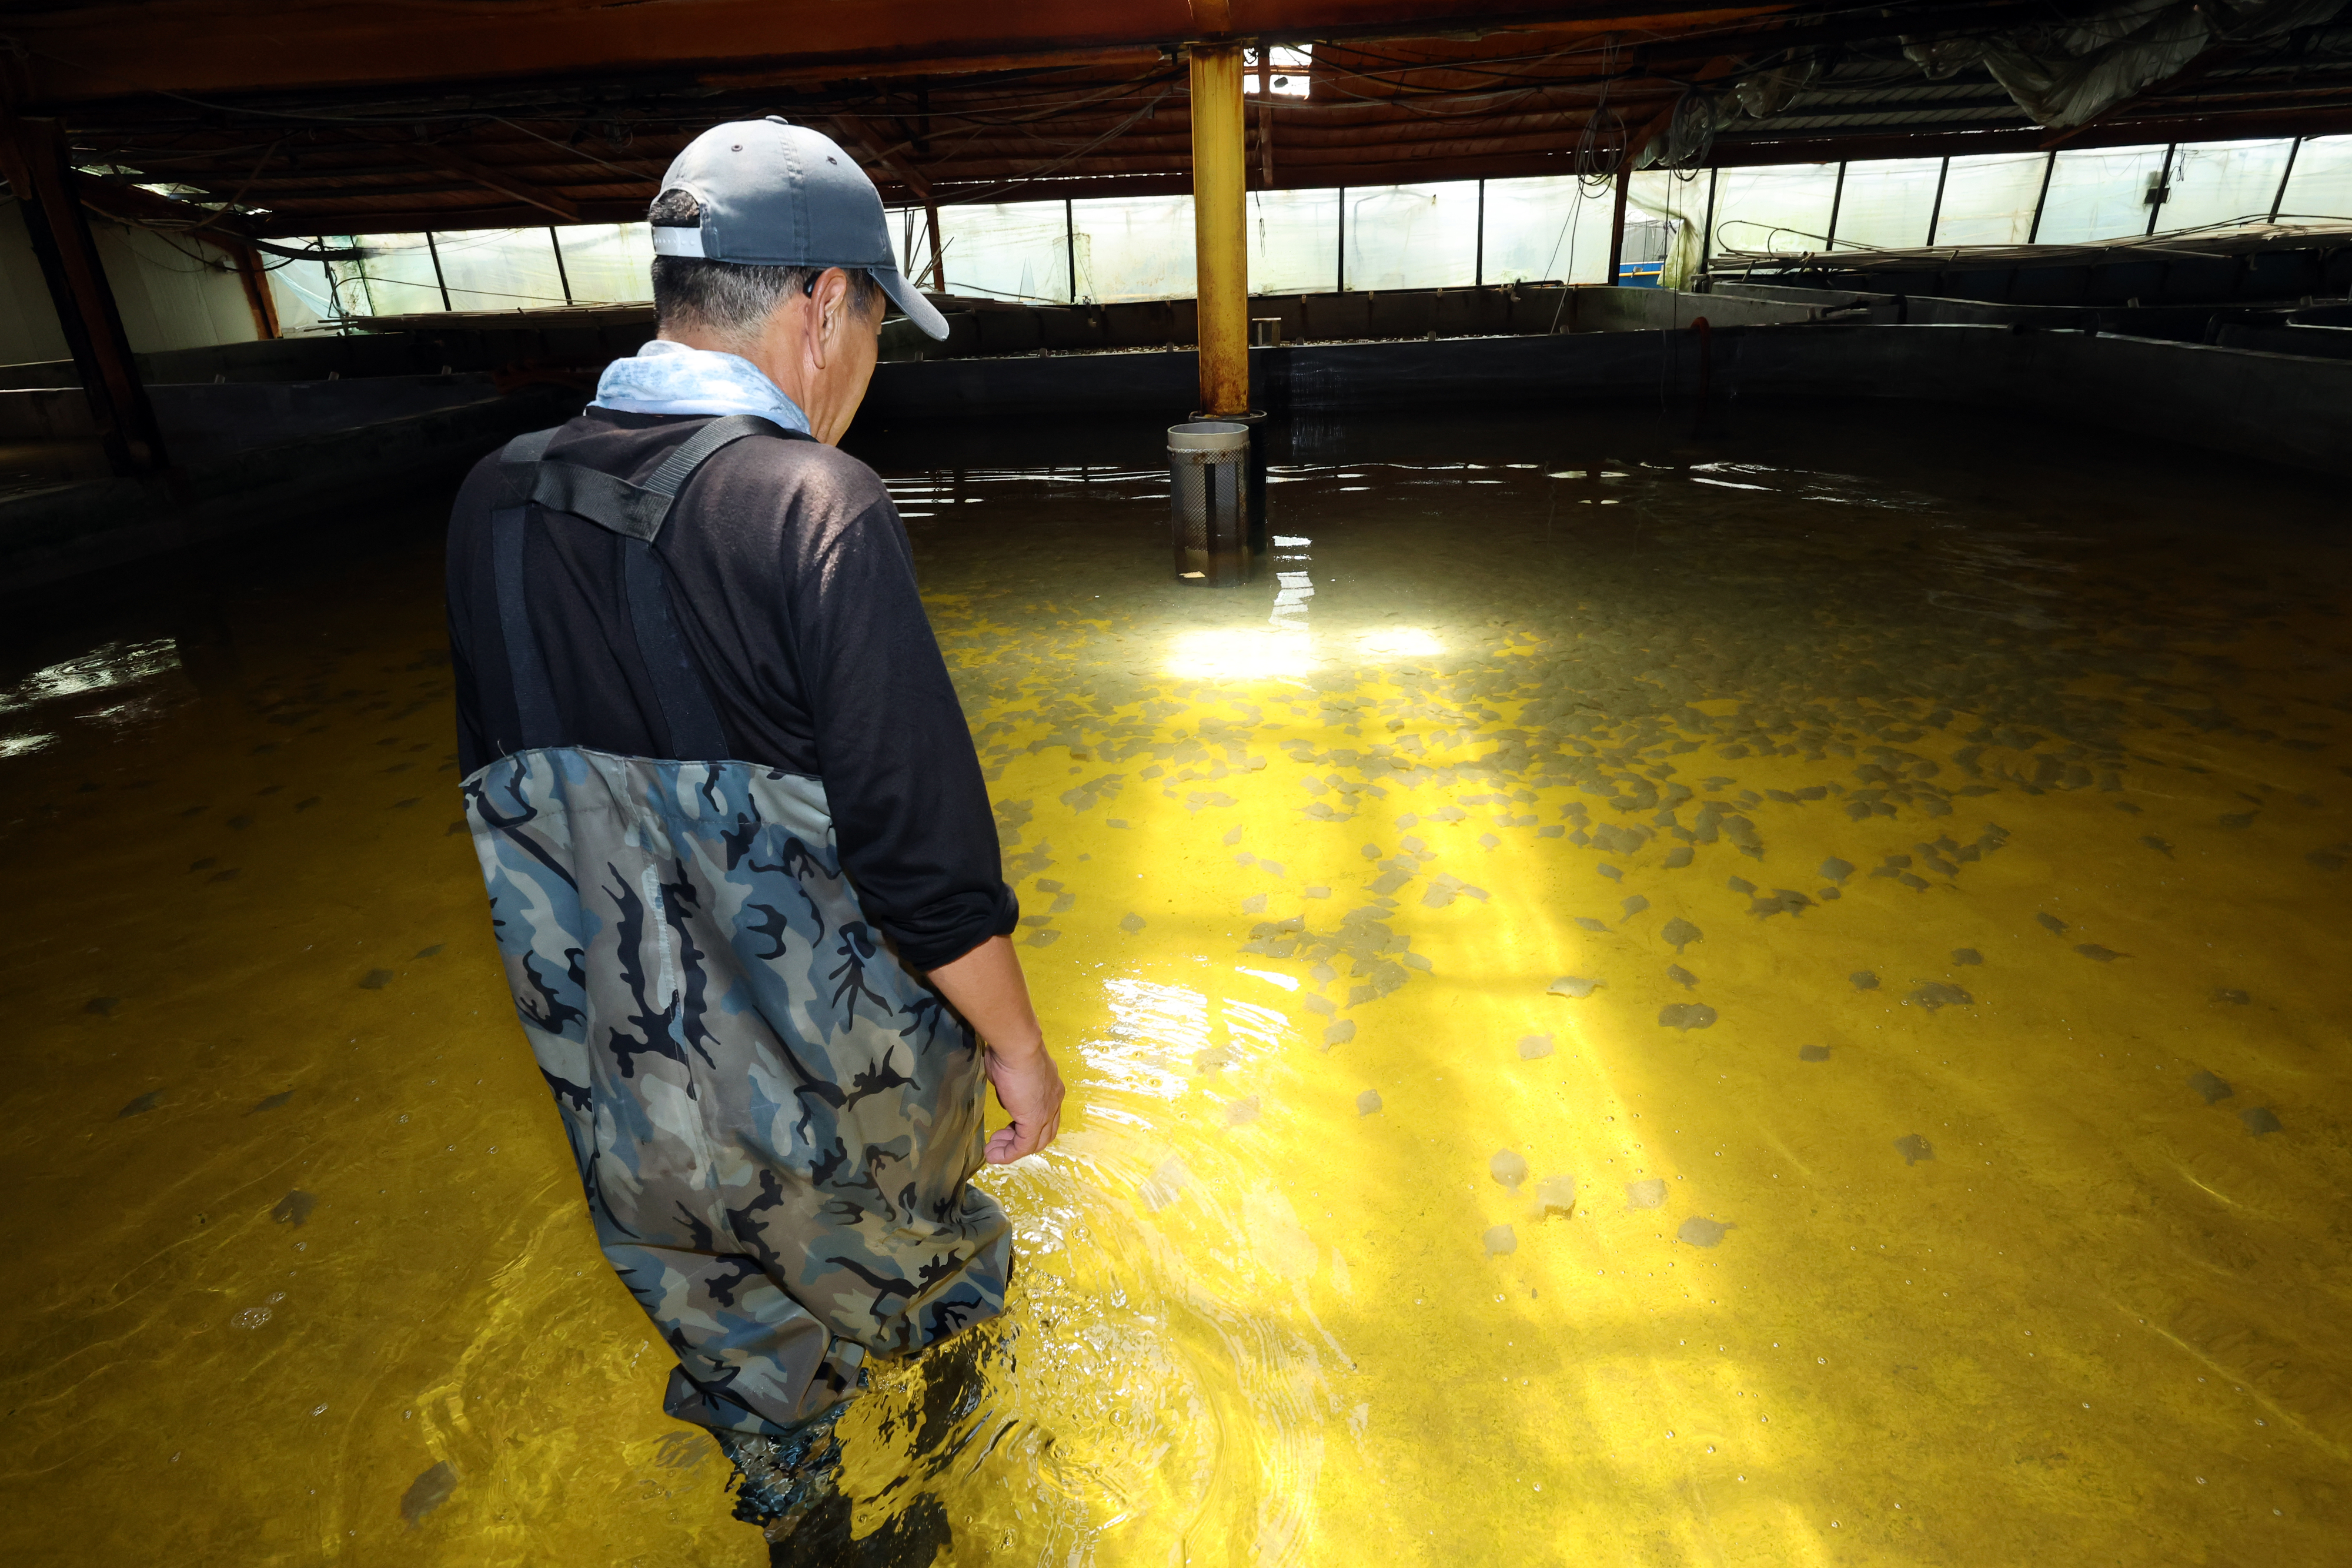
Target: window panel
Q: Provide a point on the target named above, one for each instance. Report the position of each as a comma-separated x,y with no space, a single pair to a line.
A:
1130,247
2321,185
609,263
1989,198
1294,242
2097,193
500,269
1413,236
394,279
1778,211
1008,250
1551,228
298,291
2223,182
1886,204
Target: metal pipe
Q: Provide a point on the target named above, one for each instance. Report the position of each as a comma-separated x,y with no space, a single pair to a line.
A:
939,262
2042,198
2162,192
1837,200
1070,244
1220,230
1617,226
1935,211
1478,256
555,243
2279,201
1706,235
442,283
1339,283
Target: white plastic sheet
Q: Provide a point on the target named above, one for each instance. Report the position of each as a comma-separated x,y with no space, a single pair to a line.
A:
1988,199
1784,211
2098,193
1413,236
2321,183
1887,203
1131,247
609,263
1548,228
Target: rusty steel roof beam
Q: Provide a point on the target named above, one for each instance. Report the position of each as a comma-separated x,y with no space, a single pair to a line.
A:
503,181
204,47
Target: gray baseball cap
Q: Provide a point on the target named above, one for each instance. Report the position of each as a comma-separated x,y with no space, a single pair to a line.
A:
773,193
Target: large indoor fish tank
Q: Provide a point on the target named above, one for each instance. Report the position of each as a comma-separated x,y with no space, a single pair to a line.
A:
1628,1000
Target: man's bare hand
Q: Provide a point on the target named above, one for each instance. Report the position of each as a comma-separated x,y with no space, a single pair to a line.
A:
1029,1089
986,987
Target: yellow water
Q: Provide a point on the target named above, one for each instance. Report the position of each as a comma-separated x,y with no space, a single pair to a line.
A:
1972,1267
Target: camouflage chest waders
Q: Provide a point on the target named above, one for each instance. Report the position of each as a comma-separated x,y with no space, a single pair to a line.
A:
775,1123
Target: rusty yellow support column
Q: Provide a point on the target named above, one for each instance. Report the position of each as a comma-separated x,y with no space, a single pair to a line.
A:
1219,242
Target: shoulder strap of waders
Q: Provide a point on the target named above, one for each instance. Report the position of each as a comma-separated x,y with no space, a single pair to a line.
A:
636,513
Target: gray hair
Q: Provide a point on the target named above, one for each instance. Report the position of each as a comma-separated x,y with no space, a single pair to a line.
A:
730,300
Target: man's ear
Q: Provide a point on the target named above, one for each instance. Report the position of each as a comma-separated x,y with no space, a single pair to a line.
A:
831,306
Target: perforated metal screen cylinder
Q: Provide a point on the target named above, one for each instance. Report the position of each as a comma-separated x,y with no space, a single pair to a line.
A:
1209,501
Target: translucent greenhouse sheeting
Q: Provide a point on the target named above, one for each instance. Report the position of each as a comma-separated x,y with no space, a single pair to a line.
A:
1017,250
2321,183
1294,242
300,293
1783,210
2098,193
395,279
1547,228
1425,235
1886,204
2224,183
1130,248
609,263
1988,199
172,292
1677,202
1413,236
500,269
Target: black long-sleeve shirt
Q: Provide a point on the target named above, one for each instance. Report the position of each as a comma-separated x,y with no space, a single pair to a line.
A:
794,586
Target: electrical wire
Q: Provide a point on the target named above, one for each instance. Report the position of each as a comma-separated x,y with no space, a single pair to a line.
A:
1114,131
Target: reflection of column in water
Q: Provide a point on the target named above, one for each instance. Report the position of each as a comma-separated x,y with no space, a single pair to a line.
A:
1295,585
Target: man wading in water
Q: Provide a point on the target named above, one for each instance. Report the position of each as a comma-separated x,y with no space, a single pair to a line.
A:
741,865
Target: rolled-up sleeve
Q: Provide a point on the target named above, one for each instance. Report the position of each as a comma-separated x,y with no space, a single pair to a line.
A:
910,810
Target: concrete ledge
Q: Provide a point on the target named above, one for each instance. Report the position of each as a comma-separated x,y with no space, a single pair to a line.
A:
49,535
2281,408
211,419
